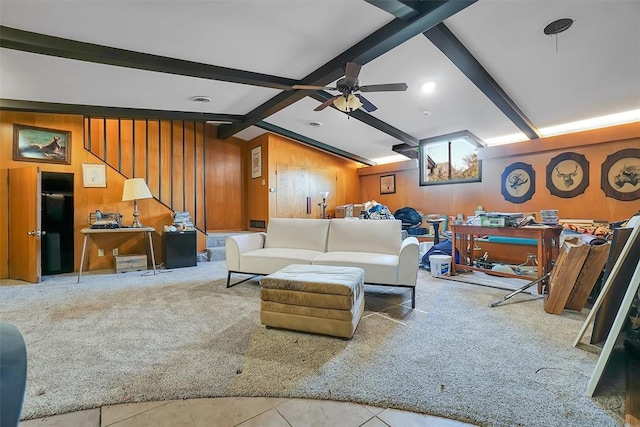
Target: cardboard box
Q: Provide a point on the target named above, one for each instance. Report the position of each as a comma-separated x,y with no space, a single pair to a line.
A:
357,209
126,263
344,211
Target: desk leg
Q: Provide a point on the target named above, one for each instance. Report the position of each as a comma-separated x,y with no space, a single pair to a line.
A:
153,257
84,250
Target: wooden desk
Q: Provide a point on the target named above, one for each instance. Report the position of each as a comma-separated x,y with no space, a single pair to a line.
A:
548,245
88,231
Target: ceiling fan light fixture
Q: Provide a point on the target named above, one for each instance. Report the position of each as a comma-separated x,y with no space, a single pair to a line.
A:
348,104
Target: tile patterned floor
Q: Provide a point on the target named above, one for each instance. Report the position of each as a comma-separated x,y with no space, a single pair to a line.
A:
241,411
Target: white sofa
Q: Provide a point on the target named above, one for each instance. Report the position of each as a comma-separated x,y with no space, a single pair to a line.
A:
373,245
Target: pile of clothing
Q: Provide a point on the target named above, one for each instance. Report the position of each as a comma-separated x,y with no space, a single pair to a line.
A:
375,210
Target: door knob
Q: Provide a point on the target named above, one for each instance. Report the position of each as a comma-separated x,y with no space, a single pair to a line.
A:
37,233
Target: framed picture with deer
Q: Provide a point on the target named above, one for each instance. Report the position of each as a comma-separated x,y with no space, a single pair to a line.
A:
620,177
518,182
35,144
568,175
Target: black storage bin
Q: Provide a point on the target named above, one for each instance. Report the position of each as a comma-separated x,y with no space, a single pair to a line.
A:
180,249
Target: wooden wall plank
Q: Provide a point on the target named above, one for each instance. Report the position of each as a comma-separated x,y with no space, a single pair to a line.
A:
153,157
112,142
97,137
139,149
200,211
165,162
126,147
188,168
176,161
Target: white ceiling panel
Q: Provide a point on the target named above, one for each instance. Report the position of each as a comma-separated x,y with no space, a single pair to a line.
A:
33,77
288,38
455,104
595,71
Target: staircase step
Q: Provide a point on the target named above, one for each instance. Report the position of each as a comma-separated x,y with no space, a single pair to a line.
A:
216,254
217,239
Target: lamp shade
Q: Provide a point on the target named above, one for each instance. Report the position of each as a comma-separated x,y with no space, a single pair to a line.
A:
347,104
324,194
135,189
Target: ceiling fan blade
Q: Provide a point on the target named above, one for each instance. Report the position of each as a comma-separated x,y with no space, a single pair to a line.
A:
325,104
389,87
352,70
366,104
311,87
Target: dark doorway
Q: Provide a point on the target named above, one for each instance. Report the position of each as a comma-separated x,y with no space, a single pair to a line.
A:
57,222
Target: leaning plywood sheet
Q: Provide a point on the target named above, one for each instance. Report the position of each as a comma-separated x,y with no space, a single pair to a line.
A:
593,265
564,276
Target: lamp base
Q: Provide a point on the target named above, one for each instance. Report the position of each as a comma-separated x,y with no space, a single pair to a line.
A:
136,216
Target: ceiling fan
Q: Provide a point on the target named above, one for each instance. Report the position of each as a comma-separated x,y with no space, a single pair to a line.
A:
348,100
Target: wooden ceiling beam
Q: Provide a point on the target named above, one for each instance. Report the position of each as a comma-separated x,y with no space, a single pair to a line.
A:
448,43
27,41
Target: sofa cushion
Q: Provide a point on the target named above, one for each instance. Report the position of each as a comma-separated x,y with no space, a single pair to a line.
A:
354,235
297,233
270,260
378,268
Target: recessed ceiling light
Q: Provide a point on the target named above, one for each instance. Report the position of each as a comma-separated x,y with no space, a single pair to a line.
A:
426,113
428,87
315,124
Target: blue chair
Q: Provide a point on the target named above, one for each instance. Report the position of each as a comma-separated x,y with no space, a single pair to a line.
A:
13,374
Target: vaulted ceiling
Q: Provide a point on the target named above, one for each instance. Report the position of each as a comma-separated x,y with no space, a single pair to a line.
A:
495,72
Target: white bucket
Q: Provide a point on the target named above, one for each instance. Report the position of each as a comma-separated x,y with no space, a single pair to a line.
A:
440,265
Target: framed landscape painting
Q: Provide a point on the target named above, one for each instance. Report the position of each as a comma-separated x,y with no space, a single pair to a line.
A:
35,144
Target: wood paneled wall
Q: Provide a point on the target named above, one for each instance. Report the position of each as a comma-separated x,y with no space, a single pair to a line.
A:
225,182
168,155
86,200
452,199
261,203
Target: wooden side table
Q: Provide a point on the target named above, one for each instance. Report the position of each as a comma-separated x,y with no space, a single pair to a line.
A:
88,231
547,249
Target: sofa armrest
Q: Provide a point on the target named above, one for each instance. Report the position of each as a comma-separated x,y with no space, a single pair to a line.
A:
408,262
239,244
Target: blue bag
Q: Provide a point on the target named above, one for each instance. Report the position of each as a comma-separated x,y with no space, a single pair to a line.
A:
442,248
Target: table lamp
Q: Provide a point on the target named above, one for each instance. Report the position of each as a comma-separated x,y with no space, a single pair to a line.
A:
135,189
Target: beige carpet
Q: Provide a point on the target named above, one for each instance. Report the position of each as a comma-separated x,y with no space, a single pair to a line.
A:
125,338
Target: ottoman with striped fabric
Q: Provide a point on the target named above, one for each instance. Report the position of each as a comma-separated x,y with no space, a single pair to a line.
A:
322,299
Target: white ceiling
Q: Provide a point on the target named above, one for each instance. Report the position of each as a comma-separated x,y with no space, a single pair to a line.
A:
595,71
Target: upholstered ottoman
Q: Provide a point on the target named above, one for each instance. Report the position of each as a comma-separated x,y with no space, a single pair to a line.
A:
322,299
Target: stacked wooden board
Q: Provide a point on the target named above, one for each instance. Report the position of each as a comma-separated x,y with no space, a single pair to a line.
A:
574,275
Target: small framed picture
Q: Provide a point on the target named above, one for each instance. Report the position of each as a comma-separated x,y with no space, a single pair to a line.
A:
518,182
34,144
568,175
388,184
94,175
620,176
256,162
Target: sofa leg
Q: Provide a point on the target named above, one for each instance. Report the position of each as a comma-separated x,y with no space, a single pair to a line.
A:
413,297
241,281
